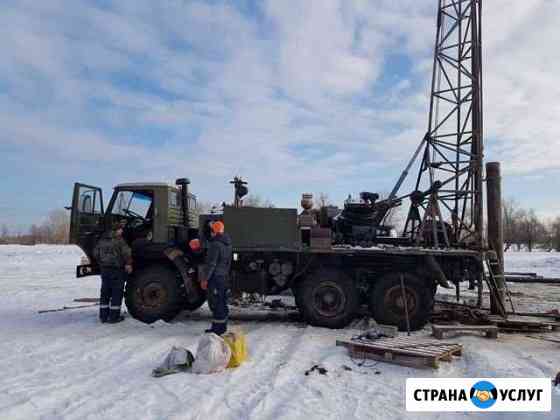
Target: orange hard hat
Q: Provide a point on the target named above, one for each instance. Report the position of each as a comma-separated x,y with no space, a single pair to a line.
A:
217,227
194,244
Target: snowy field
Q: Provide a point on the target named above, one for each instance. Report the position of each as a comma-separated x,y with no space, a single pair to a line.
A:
68,365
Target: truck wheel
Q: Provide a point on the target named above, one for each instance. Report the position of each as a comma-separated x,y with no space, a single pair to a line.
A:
327,298
387,304
154,293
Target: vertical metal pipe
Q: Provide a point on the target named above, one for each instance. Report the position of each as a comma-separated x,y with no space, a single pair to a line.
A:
459,138
495,225
186,204
477,148
184,184
405,303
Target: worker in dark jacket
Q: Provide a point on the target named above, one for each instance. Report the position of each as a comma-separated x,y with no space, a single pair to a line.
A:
114,257
218,263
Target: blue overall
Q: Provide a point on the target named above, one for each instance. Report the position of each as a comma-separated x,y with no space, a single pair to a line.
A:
217,301
218,262
112,290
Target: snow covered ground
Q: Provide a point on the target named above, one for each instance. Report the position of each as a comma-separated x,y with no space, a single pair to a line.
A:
68,365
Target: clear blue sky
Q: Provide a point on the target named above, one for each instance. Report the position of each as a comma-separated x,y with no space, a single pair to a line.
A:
296,96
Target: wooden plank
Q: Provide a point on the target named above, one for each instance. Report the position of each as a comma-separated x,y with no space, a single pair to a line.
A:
438,331
427,347
426,340
396,349
408,343
371,351
414,362
408,347
430,347
524,330
523,325
390,357
402,340
555,317
464,327
521,320
380,346
423,342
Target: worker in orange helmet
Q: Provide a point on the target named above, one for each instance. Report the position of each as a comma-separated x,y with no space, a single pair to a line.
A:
218,263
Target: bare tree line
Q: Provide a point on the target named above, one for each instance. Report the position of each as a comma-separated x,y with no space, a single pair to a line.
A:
524,229
54,230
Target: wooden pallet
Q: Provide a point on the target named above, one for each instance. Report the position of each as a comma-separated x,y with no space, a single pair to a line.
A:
518,324
408,351
490,331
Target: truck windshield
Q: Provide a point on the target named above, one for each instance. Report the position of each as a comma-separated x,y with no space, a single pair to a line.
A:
130,203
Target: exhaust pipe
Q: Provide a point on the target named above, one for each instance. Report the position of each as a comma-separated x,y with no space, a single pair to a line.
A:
184,184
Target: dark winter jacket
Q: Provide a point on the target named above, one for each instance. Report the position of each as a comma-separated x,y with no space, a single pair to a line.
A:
218,259
112,252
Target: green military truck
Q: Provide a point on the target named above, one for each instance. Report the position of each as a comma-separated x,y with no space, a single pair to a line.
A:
274,250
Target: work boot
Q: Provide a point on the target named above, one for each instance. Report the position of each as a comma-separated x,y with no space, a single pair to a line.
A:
116,320
115,316
103,314
218,332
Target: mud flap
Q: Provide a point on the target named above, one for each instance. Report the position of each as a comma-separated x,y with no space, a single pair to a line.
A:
177,257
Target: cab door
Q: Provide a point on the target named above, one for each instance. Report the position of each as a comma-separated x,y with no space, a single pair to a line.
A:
86,220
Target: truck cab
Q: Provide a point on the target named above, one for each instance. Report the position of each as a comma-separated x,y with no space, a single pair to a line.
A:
159,220
152,214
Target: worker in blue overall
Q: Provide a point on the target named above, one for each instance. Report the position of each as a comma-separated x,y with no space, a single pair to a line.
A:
218,263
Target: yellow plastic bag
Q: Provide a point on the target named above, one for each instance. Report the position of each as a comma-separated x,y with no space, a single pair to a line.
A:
238,345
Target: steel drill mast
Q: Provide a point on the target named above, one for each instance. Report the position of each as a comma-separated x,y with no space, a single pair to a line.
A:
449,212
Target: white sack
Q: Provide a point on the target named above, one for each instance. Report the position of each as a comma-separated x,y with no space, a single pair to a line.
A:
212,354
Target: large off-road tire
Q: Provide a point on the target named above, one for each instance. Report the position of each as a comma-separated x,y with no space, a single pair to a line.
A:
327,298
154,293
387,304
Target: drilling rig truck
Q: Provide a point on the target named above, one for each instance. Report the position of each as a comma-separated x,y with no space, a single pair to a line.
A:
335,261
